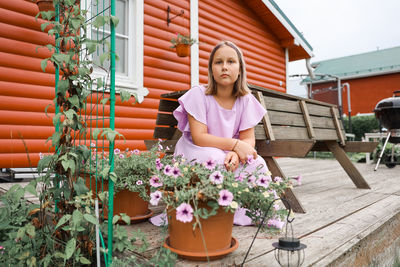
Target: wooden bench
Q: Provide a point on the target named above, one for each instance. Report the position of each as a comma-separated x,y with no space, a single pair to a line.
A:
292,127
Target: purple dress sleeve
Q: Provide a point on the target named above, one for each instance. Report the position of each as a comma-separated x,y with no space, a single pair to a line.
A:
193,103
252,112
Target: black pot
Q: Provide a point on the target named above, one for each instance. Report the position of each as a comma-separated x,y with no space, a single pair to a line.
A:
387,111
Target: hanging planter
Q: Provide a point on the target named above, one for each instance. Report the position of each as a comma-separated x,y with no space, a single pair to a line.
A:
183,50
188,244
182,44
45,5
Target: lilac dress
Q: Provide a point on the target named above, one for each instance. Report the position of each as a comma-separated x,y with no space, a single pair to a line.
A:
246,113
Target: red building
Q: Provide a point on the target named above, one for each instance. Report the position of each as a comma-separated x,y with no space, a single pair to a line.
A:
147,64
371,76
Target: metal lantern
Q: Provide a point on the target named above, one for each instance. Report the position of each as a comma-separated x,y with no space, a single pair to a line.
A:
289,252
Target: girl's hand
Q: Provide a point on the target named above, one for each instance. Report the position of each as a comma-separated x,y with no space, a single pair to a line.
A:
231,161
244,149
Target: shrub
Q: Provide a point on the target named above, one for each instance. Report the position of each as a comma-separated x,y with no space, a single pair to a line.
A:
361,125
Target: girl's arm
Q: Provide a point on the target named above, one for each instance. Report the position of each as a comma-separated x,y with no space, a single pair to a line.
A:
201,137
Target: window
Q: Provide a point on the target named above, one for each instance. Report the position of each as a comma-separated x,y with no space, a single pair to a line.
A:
128,42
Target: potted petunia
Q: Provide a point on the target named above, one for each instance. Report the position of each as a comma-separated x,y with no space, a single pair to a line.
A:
182,44
132,172
202,198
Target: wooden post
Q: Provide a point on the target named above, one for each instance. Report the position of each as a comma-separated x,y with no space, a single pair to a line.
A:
307,119
267,124
289,194
347,165
337,126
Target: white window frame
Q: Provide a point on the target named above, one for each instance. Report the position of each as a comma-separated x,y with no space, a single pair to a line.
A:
133,80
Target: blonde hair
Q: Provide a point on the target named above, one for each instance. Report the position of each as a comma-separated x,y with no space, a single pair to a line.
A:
240,87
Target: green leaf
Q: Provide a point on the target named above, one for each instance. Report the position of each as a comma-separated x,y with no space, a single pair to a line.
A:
31,189
43,64
111,136
125,95
83,260
115,219
99,21
21,233
77,217
70,248
30,230
62,86
63,220
44,163
70,114
99,82
80,187
44,25
56,119
103,57
59,255
114,20
91,46
90,218
75,23
96,133
104,101
125,218
74,100
65,164
113,177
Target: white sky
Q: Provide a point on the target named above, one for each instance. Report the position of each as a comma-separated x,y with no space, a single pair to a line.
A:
337,28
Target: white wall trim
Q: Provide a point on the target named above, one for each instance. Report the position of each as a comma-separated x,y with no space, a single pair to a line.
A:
194,49
137,67
287,67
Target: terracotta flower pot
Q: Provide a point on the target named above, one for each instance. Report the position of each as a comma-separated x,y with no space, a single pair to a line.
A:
182,50
125,201
45,5
217,231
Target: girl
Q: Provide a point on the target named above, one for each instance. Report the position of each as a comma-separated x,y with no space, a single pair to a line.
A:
217,121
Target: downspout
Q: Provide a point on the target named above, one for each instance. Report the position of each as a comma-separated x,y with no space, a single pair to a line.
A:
348,104
312,76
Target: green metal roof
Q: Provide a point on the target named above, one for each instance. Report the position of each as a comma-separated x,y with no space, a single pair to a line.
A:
360,65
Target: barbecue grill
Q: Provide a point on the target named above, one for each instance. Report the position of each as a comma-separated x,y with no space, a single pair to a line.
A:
387,111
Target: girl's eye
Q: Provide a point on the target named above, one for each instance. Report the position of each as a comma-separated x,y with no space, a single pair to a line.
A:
231,61
218,62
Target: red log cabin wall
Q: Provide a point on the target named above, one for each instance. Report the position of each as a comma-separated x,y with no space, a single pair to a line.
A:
365,92
233,20
25,90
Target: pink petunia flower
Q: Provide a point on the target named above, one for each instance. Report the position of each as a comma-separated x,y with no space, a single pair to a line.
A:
225,198
251,181
139,182
275,223
155,181
159,165
136,151
184,213
278,179
117,151
176,172
298,179
250,159
121,156
274,193
210,164
263,181
168,170
240,178
277,207
92,144
155,197
216,177
41,155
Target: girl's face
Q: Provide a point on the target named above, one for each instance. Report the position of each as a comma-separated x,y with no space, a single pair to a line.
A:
225,66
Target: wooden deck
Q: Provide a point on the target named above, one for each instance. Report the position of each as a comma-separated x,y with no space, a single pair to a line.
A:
342,226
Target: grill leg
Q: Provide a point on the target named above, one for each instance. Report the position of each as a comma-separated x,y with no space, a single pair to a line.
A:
383,151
